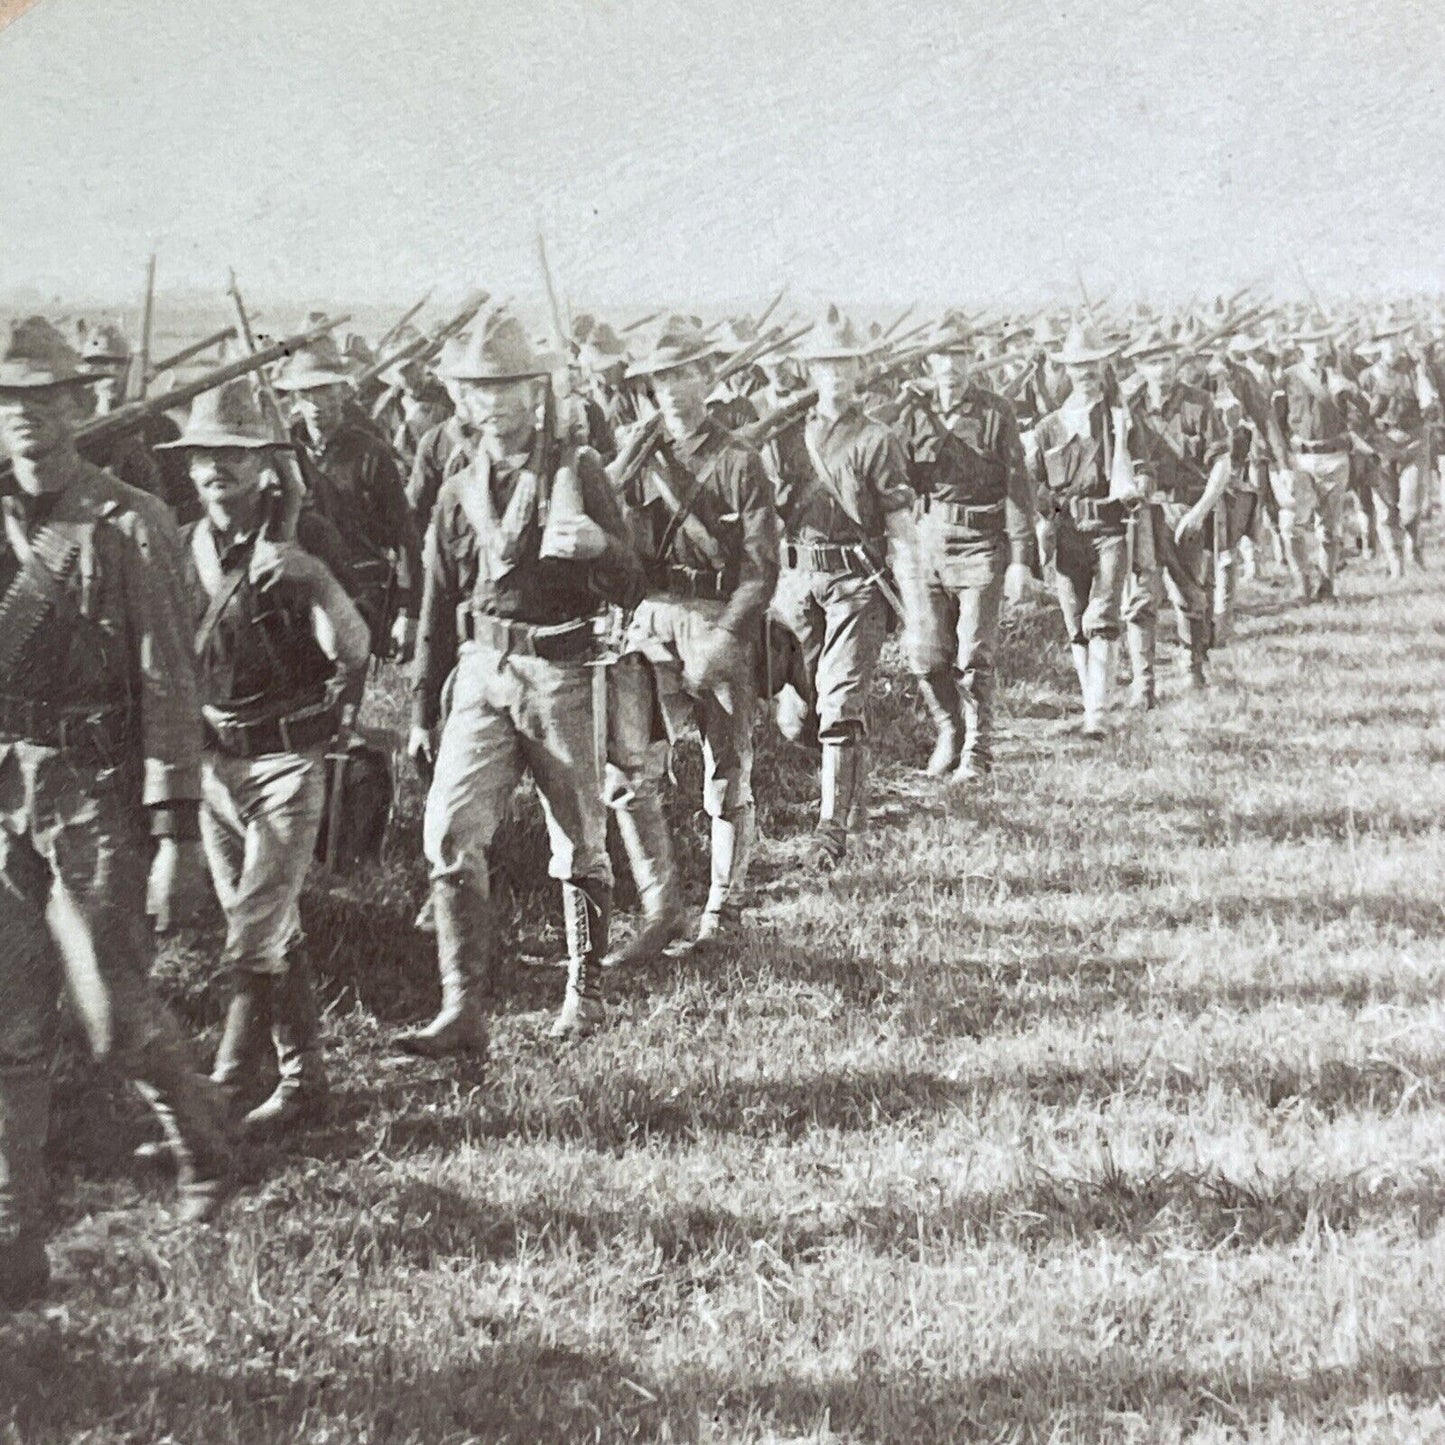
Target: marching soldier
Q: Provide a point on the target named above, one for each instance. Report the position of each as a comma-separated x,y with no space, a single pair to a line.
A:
976,523
100,746
1086,481
1176,435
847,514
353,480
1397,476
1313,487
412,404
513,592
700,507
278,640
447,448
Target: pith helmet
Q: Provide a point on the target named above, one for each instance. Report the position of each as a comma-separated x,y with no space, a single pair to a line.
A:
36,355
835,338
105,344
318,364
498,349
228,416
681,341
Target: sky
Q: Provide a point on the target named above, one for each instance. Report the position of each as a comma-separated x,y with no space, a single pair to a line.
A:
932,150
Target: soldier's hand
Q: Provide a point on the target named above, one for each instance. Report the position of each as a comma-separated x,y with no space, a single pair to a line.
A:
573,537
178,883
403,638
273,562
422,752
716,662
1016,582
1188,525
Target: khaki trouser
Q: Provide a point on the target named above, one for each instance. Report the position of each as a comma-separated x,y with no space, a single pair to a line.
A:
839,619
73,862
662,638
259,820
512,715
1313,491
1091,570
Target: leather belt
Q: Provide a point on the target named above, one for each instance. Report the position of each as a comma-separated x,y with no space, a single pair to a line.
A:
822,557
987,517
692,582
1322,448
1097,511
104,731
562,642
292,732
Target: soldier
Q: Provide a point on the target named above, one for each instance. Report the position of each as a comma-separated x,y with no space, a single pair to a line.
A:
445,449
412,404
353,480
1177,436
513,592
1313,487
1397,477
847,512
976,522
99,746
278,640
700,507
1086,480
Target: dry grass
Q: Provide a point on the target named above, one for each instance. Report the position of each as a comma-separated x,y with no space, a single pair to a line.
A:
1104,1106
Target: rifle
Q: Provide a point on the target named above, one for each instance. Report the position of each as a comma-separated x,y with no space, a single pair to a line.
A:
425,348
282,526
770,308
140,367
187,352
393,331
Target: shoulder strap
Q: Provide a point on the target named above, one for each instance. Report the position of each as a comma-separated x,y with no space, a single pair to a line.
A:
687,508
220,583
830,482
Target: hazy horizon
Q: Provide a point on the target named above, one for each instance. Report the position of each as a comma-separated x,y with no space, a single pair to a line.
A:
874,153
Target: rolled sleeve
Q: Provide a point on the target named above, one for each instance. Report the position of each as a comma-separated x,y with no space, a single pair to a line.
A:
751,494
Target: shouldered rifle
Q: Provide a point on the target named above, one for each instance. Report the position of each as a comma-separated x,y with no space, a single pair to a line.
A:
426,348
395,328
185,354
139,372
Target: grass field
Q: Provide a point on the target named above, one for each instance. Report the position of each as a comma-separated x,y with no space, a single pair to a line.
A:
1106,1105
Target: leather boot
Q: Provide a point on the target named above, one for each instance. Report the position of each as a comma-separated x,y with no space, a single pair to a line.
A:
840,782
1100,677
1143,645
586,908
976,762
1198,651
647,841
732,846
24,1119
465,950
302,1096
940,695
192,1113
244,1034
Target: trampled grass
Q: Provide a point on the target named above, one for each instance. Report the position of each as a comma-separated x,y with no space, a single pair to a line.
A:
1107,1104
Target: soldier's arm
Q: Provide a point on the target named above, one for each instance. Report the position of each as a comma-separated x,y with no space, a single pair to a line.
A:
426,479
887,471
339,628
1020,513
399,526
167,693
617,574
436,643
751,495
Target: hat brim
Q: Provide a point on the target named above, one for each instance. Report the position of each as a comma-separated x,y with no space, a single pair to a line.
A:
656,365
311,381
14,378
1085,358
1158,348
220,442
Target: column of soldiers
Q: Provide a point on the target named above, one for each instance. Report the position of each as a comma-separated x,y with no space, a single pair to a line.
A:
679,538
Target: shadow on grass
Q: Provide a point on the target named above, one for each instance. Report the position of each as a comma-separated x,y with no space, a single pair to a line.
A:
530,1389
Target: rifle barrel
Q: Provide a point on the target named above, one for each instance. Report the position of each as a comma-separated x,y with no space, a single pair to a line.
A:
194,349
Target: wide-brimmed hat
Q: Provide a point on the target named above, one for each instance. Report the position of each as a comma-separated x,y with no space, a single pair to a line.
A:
227,416
952,334
1313,328
318,364
734,335
1047,332
602,347
1246,343
1154,341
1083,345
497,349
105,344
680,342
36,355
835,338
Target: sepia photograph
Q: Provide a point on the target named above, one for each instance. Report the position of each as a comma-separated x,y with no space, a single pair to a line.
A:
722,724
